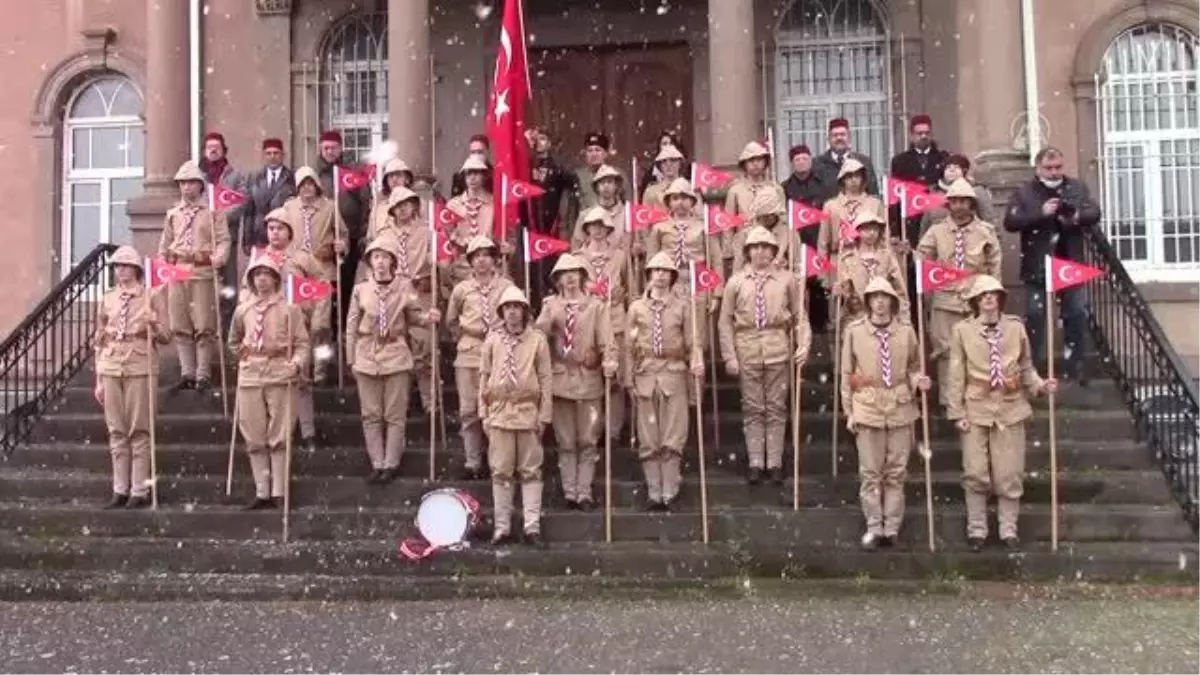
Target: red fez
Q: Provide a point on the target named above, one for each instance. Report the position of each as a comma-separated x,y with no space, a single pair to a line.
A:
838,123
331,136
920,119
799,150
481,138
272,143
214,136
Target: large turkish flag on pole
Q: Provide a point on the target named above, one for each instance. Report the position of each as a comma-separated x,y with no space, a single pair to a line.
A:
506,107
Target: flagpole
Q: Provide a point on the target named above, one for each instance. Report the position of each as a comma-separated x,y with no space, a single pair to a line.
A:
927,449
504,223
837,371
798,393
289,423
712,351
237,402
608,506
434,390
525,250
1049,307
699,414
212,221
337,296
152,389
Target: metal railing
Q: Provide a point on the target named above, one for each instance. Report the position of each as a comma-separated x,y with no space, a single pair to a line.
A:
49,348
1157,388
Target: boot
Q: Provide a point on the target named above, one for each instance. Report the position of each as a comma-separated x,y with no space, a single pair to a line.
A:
503,495
586,475
531,506
568,470
118,501
393,449
776,475
754,477
137,503
373,440
259,504
184,384
977,515
652,468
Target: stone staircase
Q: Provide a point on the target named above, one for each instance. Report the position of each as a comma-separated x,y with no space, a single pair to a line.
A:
1117,519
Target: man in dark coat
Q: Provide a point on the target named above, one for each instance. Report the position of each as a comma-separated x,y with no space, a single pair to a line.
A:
544,213
267,190
829,163
480,147
923,162
806,185
1051,212
354,207
218,171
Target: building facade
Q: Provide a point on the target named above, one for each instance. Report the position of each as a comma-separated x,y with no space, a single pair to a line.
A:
101,111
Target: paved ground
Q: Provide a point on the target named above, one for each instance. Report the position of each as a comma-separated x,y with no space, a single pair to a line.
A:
851,633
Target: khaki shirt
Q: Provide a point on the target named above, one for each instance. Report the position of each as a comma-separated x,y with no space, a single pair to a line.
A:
413,243
782,240
619,236
865,396
381,221
283,353
739,200
783,318
969,393
611,265
655,196
194,238
299,263
121,344
577,369
844,208
857,267
477,214
667,369
315,228
471,315
697,246
374,347
982,256
519,398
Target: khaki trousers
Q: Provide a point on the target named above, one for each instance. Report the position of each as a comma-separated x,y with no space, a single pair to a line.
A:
662,432
384,404
192,312
127,416
420,340
764,412
882,470
941,324
264,420
577,426
466,381
305,415
993,462
516,454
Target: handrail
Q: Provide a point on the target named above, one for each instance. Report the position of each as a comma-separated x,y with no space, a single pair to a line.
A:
1161,395
49,347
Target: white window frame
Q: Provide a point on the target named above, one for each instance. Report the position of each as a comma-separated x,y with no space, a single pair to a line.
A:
332,66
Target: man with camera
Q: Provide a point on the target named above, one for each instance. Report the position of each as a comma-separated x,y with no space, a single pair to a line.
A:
1051,212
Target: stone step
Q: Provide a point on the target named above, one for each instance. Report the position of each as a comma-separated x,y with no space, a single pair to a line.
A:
751,527
725,489
205,428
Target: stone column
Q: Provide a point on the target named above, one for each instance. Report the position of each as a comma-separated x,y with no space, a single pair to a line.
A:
410,117
166,112
272,44
732,79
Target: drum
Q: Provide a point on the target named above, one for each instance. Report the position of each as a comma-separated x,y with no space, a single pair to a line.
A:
445,519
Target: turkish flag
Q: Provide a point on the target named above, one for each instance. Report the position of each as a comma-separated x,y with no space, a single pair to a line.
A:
705,177
352,178
801,215
916,203
813,263
899,189
441,217
1062,274
718,220
600,288
221,198
305,289
443,248
506,111
934,276
159,272
643,216
517,190
704,278
539,246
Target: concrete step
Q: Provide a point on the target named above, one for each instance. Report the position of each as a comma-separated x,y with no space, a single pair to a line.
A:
750,526
725,489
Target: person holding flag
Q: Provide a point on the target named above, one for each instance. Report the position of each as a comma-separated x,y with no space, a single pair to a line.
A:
869,257
608,185
762,306
957,168
852,199
967,243
989,382
311,213
270,339
669,164
470,318
195,238
880,375
396,174
475,208
770,210
747,196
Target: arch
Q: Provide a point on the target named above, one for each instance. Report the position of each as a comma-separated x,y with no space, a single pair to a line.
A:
1089,55
352,81
56,90
879,10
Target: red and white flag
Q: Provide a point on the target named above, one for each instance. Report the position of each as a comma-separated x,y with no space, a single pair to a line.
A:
801,215
442,217
352,178
641,217
442,247
934,276
705,177
506,111
221,198
813,264
306,289
704,278
718,220
898,189
159,272
916,203
517,190
539,246
1062,274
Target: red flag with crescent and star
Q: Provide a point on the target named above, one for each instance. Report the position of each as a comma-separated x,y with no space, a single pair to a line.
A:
506,111
520,190
899,189
916,203
718,220
1062,274
352,177
705,177
442,217
813,263
443,247
539,246
704,278
306,289
934,276
641,217
221,198
159,272
801,215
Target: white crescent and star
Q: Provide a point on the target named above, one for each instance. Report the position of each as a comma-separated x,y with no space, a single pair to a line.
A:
306,290
163,273
518,191
705,278
936,275
541,246
919,201
1067,274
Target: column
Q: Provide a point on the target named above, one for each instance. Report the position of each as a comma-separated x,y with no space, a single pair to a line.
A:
731,77
410,117
273,38
997,74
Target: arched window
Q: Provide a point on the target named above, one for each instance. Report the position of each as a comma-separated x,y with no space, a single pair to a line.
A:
832,60
354,73
1150,151
104,152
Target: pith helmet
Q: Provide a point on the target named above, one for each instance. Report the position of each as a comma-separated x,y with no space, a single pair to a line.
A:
766,203
597,214
307,173
753,149
881,285
396,165
567,263
662,261
481,243
606,171
281,216
386,243
400,195
680,186
759,235
189,171
268,262
509,296
961,188
984,283
126,255
474,163
868,218
849,166
668,152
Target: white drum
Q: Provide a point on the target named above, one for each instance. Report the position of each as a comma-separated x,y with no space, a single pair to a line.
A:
445,519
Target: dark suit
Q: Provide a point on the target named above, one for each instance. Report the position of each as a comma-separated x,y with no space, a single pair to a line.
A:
264,199
827,165
813,189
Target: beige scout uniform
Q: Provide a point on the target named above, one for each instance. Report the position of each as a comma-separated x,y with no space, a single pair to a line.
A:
271,343
659,342
197,240
314,225
477,212
125,361
656,193
859,265
620,235
990,381
470,316
750,198
381,208
880,369
516,395
787,242
581,339
845,208
973,247
608,268
685,240
378,351
759,318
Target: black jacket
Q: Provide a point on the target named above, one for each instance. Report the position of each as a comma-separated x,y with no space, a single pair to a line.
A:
813,190
263,200
827,166
557,182
353,205
920,167
1053,235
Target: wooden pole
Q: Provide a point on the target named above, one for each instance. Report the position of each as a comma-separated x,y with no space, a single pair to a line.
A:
434,391
712,385
152,390
926,449
1049,301
798,394
237,403
287,436
337,296
212,220
608,505
837,371
699,417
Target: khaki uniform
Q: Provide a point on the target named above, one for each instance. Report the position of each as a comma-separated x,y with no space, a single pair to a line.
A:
470,316
980,254
195,239
125,362
269,365
880,368
618,237
581,339
857,267
414,264
610,266
843,208
659,341
759,319
994,448
740,200
685,241
784,239
377,350
515,393
477,214
314,232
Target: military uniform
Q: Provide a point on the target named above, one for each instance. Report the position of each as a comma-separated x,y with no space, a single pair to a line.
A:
973,247
844,209
608,268
750,198
271,343
314,231
989,382
655,193
516,397
196,239
769,209
879,380
470,316
127,339
858,266
380,220
620,234
476,212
